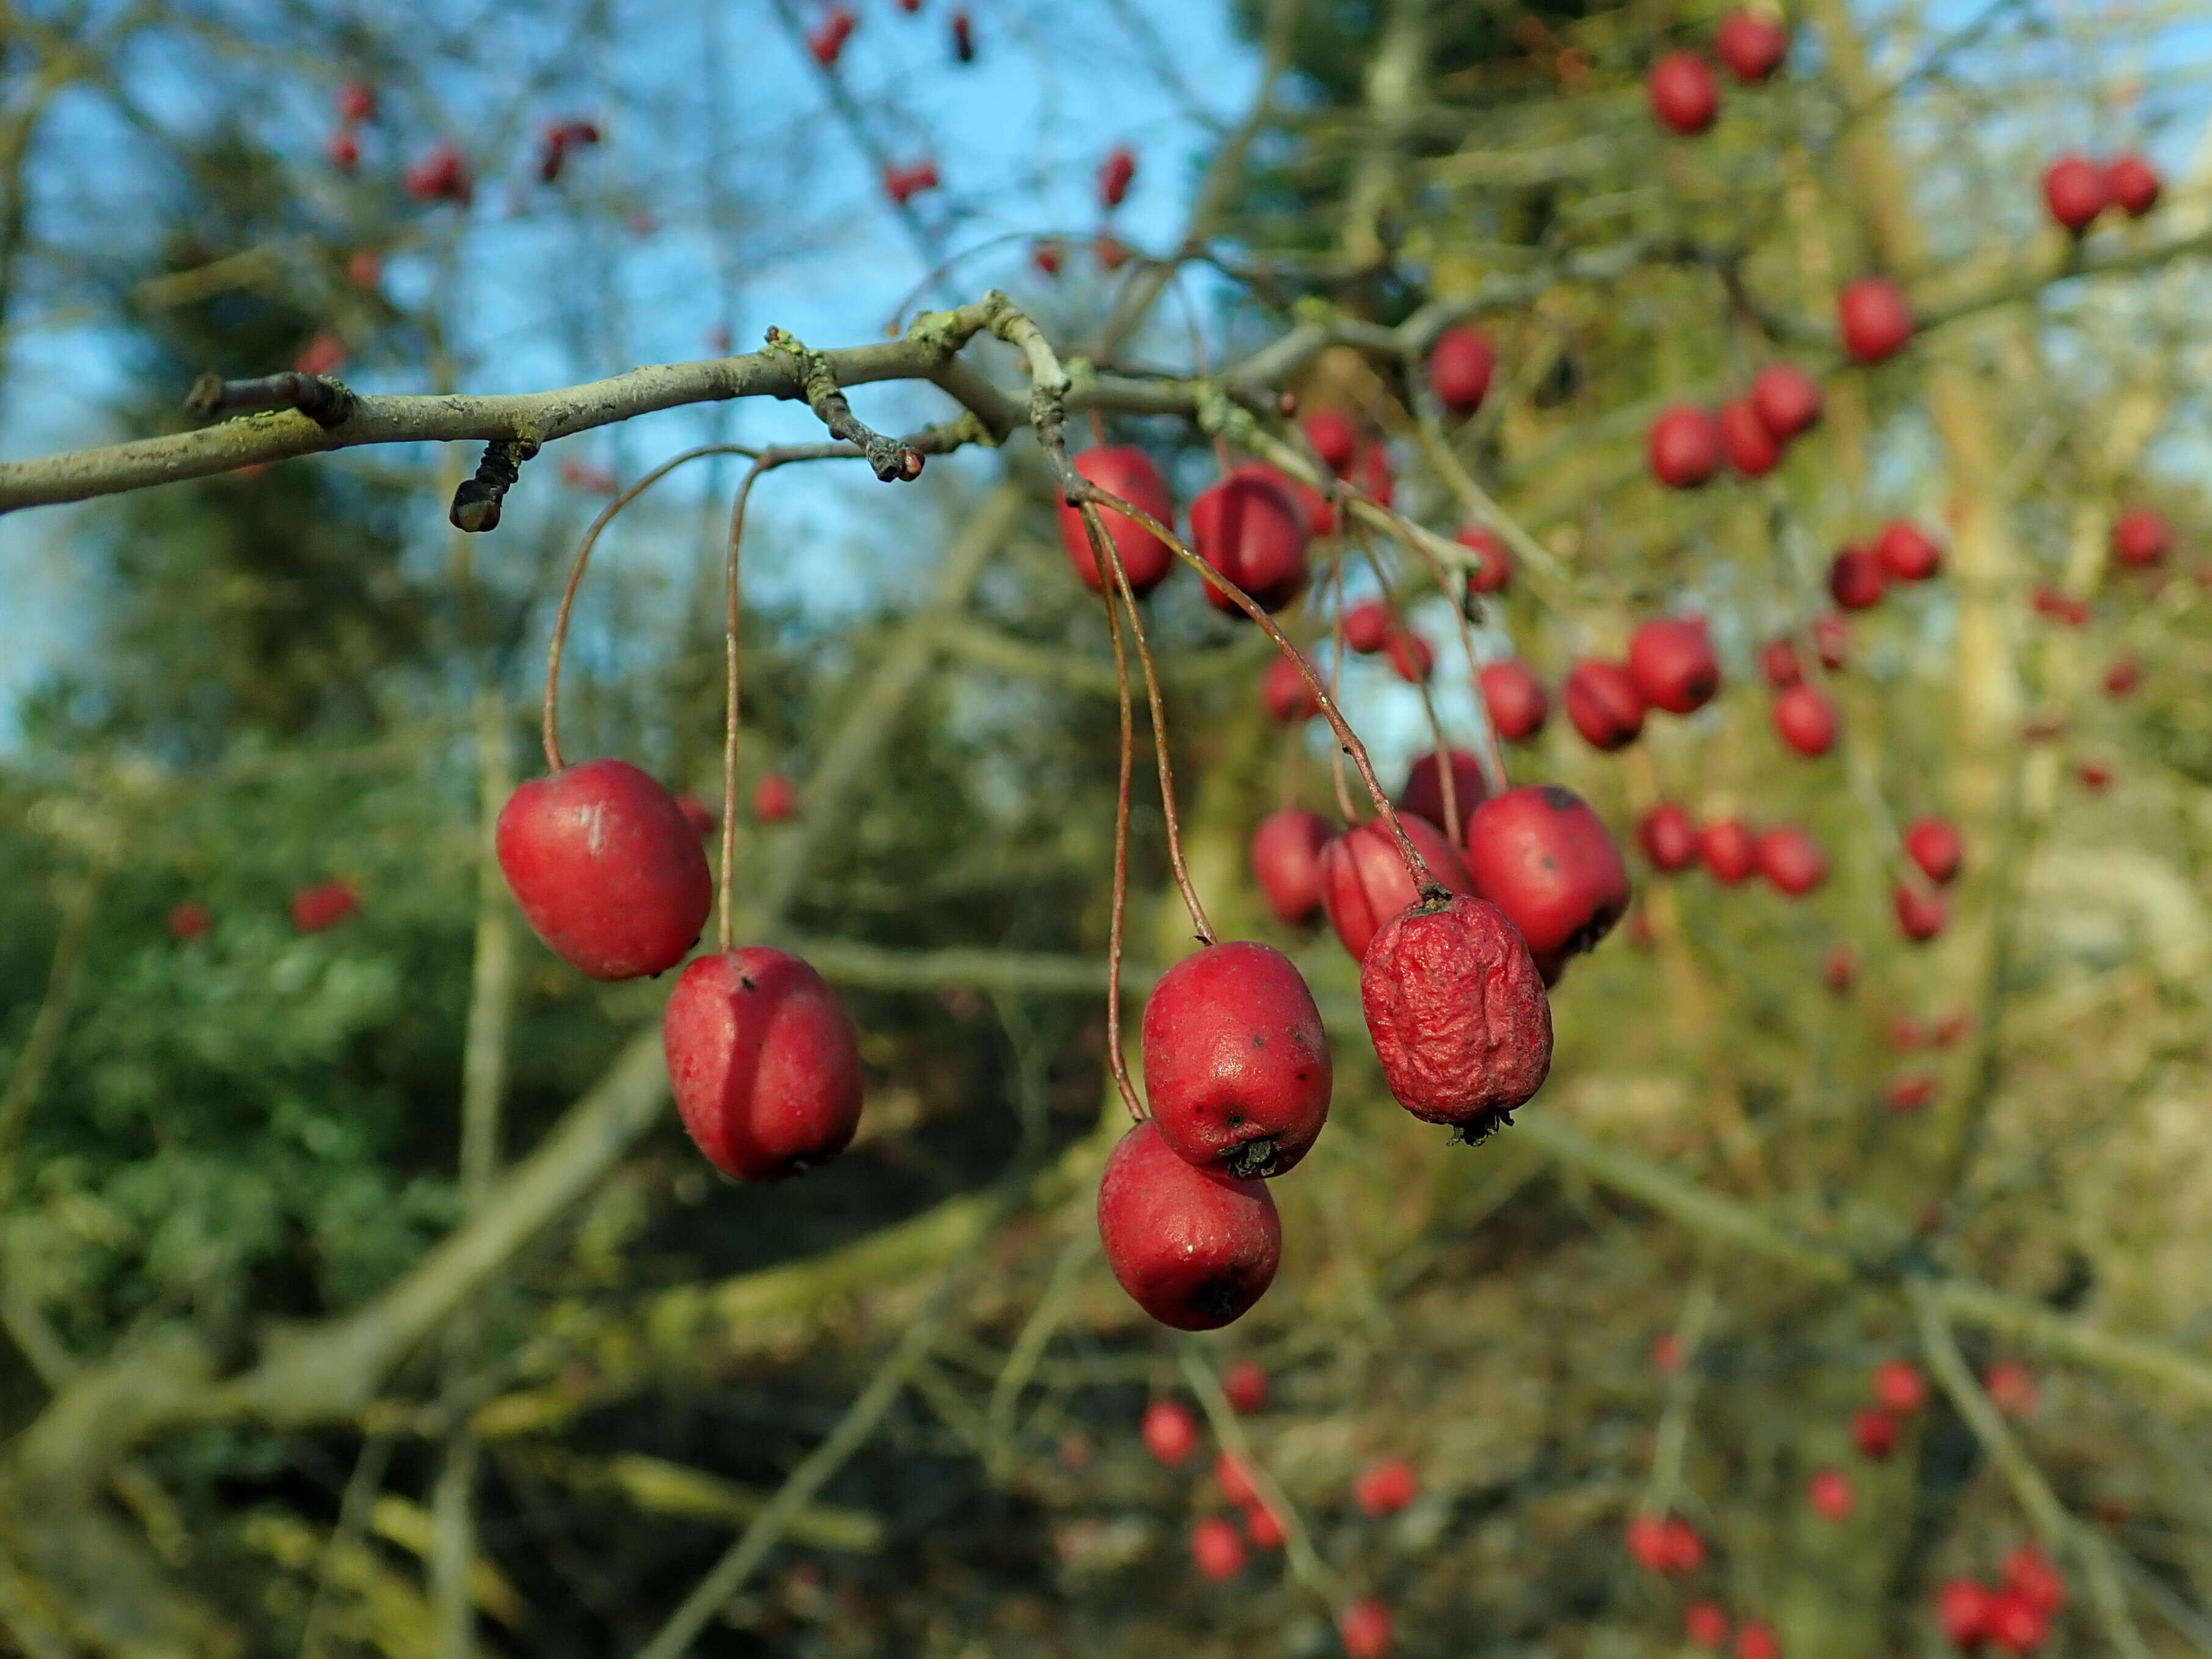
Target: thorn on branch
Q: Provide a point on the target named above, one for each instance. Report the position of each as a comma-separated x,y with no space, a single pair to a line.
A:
325,401
895,460
477,502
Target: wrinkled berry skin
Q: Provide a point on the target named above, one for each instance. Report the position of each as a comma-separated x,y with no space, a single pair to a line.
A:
1539,855
1237,1063
1193,1247
1458,1013
1364,882
606,868
764,1063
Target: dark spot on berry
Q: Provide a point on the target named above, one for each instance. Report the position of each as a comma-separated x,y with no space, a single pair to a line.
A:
745,983
1559,800
1259,1041
1220,1298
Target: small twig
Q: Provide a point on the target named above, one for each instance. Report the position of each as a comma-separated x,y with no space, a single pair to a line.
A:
326,402
477,502
361,1490
893,459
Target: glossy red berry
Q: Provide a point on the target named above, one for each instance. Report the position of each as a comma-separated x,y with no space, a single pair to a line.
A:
1682,92
1193,1247
1935,846
1169,1430
1604,704
1411,657
1671,661
1263,1527
1752,45
1461,364
1364,882
1125,471
1730,849
1920,916
1907,553
1287,861
1684,1550
1386,1487
1875,318
1805,720
1458,1014
1250,529
606,868
189,921
1216,1550
1424,793
2075,191
2134,184
1668,837
1237,1063
1792,860
764,1063
1874,1434
2029,1571
1333,438
1291,701
1492,570
1778,660
1684,446
1787,400
1751,449
1367,627
1539,855
1963,1609
1856,579
1899,1386
2016,1624
2141,537
1705,1625
1515,699
1757,1641
1647,1542
1245,1384
698,814
775,798
1365,1629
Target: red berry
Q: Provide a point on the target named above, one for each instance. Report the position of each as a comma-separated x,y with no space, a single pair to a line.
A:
1111,250
1934,844
1539,855
1169,1432
1237,1063
1856,579
2075,191
1120,469
1250,529
1515,700
606,868
1234,1478
1458,1014
1424,793
365,270
1874,1433
1364,882
1367,626
1907,552
1899,1386
1953,1027
1216,1548
1666,1352
1287,861
1373,468
1751,449
2122,676
1365,1629
2016,1624
1875,318
1461,364
963,37
1792,859
1386,1487
764,1062
1291,701
774,800
1193,1247
1920,916
1963,1609
1671,661
326,354
1685,1550
1647,1542
2029,1571
343,149
1333,438
1682,93
1668,837
1263,1528
1046,257
1832,638
1116,174
1839,970
357,102
1752,45
1757,1641
2012,1388
189,921
1684,446
1909,1094
2141,537
439,177
1604,704
1778,660
701,817
1246,1385
2133,184
1787,400
1730,849
1492,571
1705,1625
1806,721
1412,659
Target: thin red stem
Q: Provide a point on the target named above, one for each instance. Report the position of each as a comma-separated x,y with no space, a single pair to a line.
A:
724,927
1114,1060
1445,781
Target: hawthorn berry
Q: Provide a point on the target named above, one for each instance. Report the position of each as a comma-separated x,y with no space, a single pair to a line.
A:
1047,256
1411,657
1856,579
1234,1478
1778,660
1757,1641
1194,1248
1909,1094
1385,1487
1539,855
324,354
1424,793
1365,1629
775,798
1705,1625
1169,1432
1287,861
2030,1572
1874,1433
1907,553
2133,184
357,102
1682,93
1805,720
189,921
2141,537
1667,1353
343,149
1461,364
1291,701
1215,1548
1334,440
1934,845
1246,1386
1668,837
1963,1609
1250,529
1374,468
1116,174
1786,399
1671,663
963,37
1492,570
2012,1388
1684,446
606,868
1875,318
1831,639
1515,700
1647,1542
763,1061
1751,449
2124,674
1263,1527
365,270
1752,44
2076,191
2016,1624
1839,970
1236,1063
1920,915
1458,1011
1604,704
1730,849
1830,1493
1365,881
698,814
1900,1387
1683,1550
1792,860
1125,470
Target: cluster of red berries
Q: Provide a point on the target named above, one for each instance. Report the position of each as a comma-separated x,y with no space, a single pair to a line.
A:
2076,190
315,909
1788,857
826,40
1681,87
440,176
1670,667
2012,1615
903,184
1899,1392
558,139
356,106
1686,446
1669,1546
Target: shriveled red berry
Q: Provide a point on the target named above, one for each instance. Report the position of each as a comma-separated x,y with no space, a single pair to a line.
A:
1831,639
1730,849
1237,1063
1751,449
1492,571
1705,1625
1365,881
1668,837
2134,184
1963,1609
1287,861
1424,793
1334,437
1385,1487
1875,318
2076,191
1682,93
1250,529
1365,1629
1291,701
1920,916
1874,1433
1125,470
1461,364
1458,1013
1684,446
2141,537
1792,860
764,1063
1856,579
1787,400
1907,553
1367,626
1935,846
1515,699
1215,1548
607,869
1604,704
1539,855
1245,1384
1805,720
1169,1430
1671,661
1193,1247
